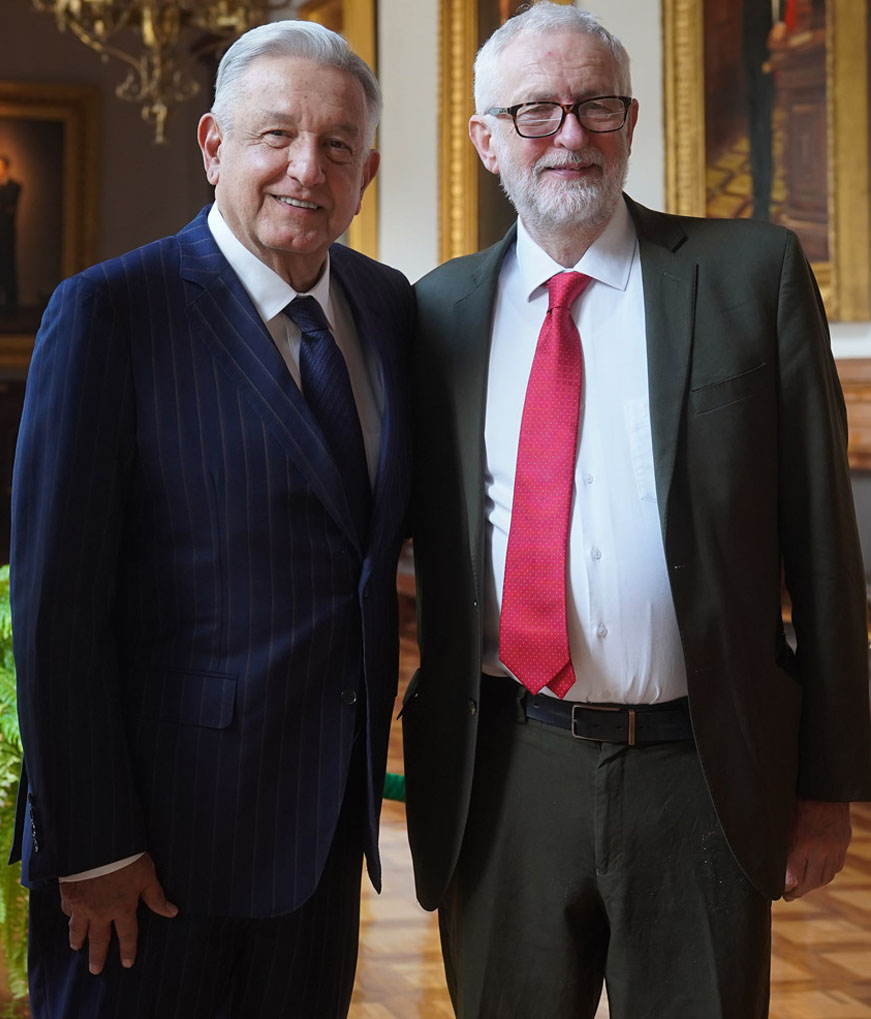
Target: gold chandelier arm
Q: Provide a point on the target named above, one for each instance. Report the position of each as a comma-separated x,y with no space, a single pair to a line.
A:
158,76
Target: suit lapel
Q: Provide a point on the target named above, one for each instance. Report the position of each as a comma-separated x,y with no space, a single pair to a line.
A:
670,282
366,303
223,318
469,344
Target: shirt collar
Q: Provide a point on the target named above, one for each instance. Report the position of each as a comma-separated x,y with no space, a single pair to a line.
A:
608,259
269,293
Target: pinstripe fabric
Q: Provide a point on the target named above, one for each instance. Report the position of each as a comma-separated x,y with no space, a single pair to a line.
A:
194,618
297,966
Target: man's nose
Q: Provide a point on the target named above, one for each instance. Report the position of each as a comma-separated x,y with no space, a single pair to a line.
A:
572,134
304,161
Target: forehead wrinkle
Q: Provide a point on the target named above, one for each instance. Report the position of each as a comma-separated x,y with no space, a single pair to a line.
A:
545,70
292,117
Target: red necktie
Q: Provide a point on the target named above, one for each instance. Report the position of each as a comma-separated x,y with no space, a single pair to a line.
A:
533,639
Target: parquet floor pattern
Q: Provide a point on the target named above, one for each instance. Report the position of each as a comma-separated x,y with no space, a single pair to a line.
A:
821,967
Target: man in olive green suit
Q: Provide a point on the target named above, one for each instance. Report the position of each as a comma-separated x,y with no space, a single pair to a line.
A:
630,817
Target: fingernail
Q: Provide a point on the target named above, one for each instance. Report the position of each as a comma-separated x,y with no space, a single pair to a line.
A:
126,963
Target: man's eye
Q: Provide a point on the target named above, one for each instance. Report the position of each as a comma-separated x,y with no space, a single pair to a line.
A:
340,150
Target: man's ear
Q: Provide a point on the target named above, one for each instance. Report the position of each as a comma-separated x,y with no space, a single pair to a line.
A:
210,136
482,139
631,121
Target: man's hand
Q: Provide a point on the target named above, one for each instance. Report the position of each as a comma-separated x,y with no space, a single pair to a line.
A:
95,904
820,835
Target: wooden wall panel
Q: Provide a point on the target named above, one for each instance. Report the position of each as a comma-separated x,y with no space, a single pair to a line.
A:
855,376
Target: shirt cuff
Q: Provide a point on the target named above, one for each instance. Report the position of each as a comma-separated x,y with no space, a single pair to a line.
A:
107,868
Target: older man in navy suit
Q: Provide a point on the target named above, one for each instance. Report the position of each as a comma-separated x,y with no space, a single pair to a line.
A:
209,492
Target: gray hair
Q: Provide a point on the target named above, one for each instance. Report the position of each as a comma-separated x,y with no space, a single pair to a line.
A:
540,18
300,40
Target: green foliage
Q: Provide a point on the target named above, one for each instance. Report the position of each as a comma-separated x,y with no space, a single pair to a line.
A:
394,787
13,898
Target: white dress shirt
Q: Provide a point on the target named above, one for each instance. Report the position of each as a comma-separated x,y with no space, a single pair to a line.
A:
270,295
622,627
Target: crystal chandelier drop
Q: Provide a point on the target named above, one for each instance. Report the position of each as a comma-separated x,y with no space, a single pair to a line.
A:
171,37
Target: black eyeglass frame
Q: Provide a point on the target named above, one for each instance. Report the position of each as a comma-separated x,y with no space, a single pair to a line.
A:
567,108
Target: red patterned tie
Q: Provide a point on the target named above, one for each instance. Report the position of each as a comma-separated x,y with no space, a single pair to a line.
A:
533,639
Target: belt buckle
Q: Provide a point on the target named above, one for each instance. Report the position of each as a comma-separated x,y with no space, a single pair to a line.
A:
630,738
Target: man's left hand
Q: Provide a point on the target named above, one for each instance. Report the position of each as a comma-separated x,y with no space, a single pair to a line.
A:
820,835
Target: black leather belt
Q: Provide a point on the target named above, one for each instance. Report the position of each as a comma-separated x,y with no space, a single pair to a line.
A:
629,724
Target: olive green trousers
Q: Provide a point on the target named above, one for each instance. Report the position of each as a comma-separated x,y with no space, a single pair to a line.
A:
586,862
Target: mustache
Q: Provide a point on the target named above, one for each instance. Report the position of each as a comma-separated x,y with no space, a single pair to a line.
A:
570,161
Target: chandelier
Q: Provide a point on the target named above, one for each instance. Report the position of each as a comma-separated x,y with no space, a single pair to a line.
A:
172,36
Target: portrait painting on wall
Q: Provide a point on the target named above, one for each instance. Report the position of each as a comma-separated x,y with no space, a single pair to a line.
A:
31,209
767,116
48,172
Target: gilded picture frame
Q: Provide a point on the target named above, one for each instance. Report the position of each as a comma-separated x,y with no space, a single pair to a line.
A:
49,134
845,276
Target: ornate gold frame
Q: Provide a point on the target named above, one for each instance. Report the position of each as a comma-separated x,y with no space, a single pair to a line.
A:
458,161
844,280
74,106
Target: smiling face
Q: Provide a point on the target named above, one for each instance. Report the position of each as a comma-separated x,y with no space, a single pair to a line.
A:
291,167
572,179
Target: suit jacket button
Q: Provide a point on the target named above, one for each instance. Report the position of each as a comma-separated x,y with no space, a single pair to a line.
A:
349,696
473,707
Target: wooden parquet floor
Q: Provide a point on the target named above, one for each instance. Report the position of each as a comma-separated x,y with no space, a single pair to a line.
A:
821,967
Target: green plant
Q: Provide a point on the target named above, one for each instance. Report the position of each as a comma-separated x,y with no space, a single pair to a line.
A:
13,898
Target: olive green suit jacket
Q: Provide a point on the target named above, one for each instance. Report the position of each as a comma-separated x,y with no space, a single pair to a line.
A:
749,445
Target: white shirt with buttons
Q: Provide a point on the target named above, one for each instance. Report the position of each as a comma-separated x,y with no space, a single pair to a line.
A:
622,627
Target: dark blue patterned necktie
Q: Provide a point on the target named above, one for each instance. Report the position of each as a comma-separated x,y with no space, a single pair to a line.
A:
326,387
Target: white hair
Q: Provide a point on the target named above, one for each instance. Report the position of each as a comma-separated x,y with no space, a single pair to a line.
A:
539,19
301,40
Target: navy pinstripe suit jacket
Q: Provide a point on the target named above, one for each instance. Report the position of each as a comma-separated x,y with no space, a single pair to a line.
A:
191,608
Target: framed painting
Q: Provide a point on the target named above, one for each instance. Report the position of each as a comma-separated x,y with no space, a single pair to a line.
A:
48,192
767,115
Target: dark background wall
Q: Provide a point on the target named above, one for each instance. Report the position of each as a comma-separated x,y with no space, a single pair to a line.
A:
145,190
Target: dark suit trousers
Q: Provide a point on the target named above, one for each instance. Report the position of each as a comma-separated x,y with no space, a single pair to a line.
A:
298,966
586,861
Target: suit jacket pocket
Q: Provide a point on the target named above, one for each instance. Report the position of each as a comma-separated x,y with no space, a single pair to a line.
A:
207,699
732,390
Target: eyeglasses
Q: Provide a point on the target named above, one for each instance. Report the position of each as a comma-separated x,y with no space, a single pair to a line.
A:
598,115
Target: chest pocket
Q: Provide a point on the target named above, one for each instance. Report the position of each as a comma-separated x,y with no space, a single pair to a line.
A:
730,391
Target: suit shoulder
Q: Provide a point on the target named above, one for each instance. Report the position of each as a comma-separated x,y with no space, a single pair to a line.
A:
357,268
723,237
158,257
462,275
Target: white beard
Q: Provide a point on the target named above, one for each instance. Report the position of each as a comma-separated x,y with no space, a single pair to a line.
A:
556,205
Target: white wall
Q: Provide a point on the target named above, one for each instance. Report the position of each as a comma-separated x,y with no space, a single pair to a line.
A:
408,179
408,59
